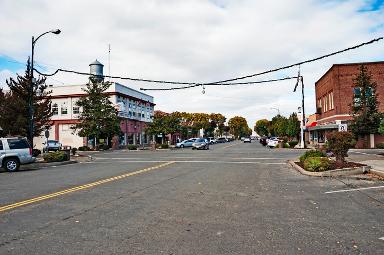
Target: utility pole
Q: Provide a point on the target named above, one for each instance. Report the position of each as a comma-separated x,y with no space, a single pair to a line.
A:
300,79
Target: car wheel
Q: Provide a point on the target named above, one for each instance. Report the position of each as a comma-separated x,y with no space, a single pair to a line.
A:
182,146
11,165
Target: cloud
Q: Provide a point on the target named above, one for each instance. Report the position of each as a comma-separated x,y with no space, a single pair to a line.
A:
197,40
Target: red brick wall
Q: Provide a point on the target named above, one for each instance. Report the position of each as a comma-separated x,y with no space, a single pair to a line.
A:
339,79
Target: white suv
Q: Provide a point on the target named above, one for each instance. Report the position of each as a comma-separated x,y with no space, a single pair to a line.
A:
14,152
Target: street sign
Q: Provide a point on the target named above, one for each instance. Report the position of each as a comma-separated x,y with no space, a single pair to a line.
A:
46,133
343,127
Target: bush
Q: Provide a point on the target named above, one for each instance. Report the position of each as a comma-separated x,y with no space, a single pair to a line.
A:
36,152
55,156
317,164
103,147
380,145
312,154
73,150
292,144
163,146
339,143
132,147
286,145
84,148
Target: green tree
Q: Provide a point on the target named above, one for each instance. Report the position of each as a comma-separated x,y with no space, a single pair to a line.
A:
381,127
14,112
164,123
238,126
98,118
293,126
278,126
364,107
261,127
339,143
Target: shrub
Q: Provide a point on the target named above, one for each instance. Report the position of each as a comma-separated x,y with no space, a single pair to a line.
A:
339,143
36,152
286,145
380,145
311,154
73,150
103,147
55,156
132,147
84,148
317,164
292,144
163,146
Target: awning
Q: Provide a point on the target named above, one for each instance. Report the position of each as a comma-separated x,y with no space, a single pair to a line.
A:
312,124
324,127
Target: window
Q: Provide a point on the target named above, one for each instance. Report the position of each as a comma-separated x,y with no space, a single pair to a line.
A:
331,100
76,110
17,144
356,96
1,146
64,109
55,109
325,103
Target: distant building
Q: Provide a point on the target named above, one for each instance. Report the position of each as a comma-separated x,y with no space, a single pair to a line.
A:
335,91
135,110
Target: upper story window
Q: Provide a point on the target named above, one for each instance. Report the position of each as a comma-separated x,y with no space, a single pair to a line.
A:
76,109
330,100
64,109
356,96
55,109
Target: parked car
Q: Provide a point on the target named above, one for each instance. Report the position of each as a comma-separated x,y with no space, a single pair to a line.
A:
263,140
200,144
211,140
51,145
15,152
185,143
221,140
273,142
247,140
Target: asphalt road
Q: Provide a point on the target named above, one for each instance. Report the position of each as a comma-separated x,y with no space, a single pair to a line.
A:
233,199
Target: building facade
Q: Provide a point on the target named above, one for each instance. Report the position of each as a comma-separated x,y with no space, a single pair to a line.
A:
335,92
135,110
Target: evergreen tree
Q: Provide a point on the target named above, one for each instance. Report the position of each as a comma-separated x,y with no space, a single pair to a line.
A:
293,126
14,113
98,118
364,107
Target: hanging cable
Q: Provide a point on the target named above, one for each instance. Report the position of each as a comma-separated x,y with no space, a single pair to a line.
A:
194,84
219,84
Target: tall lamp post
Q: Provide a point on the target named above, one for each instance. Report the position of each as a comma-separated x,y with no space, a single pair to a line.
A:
278,110
30,92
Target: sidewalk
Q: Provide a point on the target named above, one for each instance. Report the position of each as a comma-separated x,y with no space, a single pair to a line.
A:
377,166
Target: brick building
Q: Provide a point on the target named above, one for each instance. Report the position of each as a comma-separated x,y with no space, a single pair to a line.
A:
335,93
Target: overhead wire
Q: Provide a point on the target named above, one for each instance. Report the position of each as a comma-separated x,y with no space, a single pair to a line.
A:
220,82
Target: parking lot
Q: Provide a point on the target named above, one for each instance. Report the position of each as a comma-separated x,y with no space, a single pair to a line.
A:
236,198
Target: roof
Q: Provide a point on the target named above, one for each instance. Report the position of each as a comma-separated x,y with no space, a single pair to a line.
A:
96,63
322,127
348,64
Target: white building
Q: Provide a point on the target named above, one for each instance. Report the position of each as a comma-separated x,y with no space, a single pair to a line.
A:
135,110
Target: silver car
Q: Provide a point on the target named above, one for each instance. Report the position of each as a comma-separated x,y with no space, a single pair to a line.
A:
186,143
200,144
14,152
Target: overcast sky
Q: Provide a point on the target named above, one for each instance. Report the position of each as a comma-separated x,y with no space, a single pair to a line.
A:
194,40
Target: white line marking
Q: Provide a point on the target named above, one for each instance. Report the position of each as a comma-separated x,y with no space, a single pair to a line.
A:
382,238
194,161
347,190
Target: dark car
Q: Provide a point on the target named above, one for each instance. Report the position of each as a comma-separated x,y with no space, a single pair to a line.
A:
221,140
263,140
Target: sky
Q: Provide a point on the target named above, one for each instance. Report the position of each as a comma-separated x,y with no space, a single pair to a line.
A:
194,41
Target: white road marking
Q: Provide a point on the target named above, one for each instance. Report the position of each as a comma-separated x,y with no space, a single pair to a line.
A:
348,190
382,238
192,161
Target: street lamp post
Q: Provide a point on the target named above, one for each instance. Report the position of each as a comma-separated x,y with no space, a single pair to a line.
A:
30,92
278,110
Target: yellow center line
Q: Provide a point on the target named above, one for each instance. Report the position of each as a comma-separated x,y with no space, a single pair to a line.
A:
81,187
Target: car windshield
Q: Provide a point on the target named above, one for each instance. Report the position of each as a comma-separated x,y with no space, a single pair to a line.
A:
200,140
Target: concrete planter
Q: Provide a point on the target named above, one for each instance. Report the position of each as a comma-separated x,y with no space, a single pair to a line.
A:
336,172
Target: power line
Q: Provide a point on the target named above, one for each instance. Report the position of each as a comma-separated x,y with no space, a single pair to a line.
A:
196,84
220,84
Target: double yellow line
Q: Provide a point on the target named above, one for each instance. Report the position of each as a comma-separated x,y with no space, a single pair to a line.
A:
82,187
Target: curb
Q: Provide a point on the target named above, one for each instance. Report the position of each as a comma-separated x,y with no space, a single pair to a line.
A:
38,165
337,172
377,172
